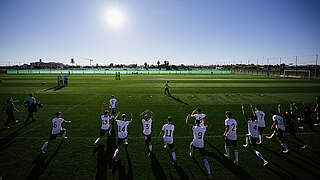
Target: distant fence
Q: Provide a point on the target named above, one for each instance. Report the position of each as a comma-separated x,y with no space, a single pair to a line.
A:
306,74
104,71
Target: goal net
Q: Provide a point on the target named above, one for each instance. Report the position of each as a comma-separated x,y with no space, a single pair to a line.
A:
301,74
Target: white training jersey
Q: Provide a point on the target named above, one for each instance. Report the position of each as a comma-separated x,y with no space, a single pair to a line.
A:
56,125
232,132
253,128
198,134
168,133
166,85
146,126
122,128
260,116
280,123
200,117
113,102
105,122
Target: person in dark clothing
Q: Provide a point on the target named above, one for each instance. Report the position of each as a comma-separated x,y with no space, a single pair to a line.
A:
9,108
307,115
65,80
289,124
317,111
31,104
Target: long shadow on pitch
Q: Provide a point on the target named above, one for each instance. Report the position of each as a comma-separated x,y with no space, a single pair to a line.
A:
177,99
156,168
292,162
7,141
118,166
234,169
41,164
102,163
179,169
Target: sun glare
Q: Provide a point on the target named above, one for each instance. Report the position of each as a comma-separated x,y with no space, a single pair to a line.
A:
115,18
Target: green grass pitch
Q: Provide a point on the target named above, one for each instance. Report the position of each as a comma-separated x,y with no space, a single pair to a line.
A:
80,102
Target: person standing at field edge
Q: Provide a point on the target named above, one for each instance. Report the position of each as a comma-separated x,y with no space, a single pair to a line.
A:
166,88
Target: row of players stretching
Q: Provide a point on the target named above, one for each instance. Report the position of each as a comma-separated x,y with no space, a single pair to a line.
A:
256,124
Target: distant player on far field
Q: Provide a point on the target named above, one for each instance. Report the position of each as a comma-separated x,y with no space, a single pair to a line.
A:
317,111
167,134
198,115
105,126
280,128
122,132
253,134
198,142
113,104
230,136
166,88
56,130
146,123
261,122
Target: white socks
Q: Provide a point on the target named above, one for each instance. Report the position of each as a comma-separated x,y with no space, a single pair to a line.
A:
285,146
247,140
174,156
227,150
150,147
115,153
98,139
64,133
260,156
206,164
191,149
44,145
236,155
260,139
271,135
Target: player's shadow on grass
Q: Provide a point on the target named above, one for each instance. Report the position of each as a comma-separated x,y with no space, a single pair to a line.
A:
55,88
41,164
291,162
118,166
7,141
179,169
234,169
178,100
156,168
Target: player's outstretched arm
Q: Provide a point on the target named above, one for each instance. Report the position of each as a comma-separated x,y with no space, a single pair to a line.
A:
316,108
117,115
187,120
208,125
67,122
152,114
279,108
160,135
274,123
193,112
131,118
244,112
251,106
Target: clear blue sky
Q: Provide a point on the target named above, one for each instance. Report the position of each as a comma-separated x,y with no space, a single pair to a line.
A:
181,31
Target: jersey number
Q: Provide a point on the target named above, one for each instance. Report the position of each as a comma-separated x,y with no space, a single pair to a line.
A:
122,129
255,127
55,125
199,135
168,133
147,126
233,127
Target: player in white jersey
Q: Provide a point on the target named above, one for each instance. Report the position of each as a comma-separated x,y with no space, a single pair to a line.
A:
199,116
113,105
198,142
56,130
167,134
280,128
105,120
230,135
261,122
146,123
122,132
253,134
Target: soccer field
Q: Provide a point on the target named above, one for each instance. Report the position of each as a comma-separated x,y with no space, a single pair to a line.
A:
80,103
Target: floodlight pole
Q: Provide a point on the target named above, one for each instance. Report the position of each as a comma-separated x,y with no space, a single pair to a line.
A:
280,66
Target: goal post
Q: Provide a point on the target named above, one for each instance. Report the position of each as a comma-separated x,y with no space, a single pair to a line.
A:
300,74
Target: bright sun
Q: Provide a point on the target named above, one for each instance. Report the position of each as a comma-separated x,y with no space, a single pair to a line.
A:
115,18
